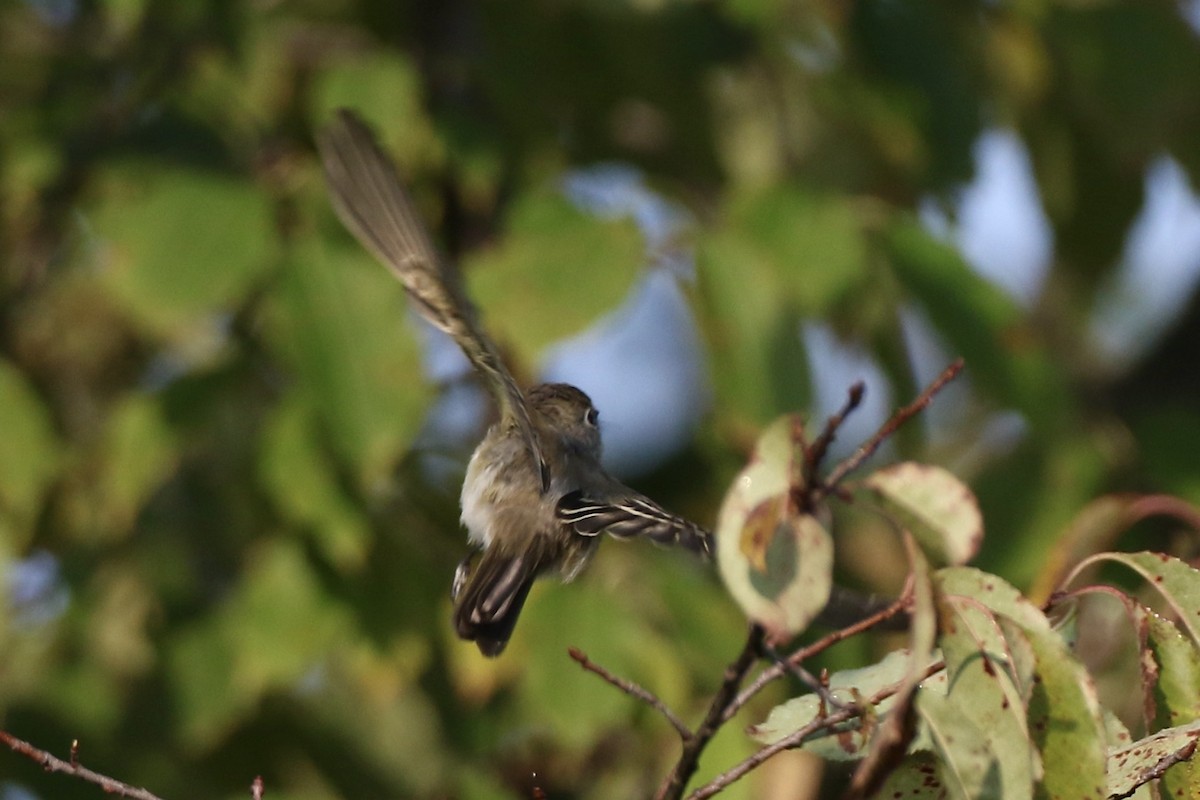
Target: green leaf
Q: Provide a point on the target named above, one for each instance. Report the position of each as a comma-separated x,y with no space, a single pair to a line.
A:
965,764
136,454
182,245
937,508
813,242
847,686
775,562
383,87
339,317
1178,583
29,458
983,697
761,366
303,483
897,731
276,627
920,777
1133,766
1176,692
1001,349
554,271
1064,720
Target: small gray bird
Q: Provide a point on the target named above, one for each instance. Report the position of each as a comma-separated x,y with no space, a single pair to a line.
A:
535,497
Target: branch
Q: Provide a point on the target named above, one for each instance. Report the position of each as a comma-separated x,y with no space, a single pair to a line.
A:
816,454
797,738
689,759
633,690
52,763
901,416
778,669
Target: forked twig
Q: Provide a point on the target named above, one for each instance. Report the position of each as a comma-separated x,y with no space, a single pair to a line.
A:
901,416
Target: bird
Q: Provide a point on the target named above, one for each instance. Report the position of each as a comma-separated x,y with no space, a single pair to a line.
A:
535,498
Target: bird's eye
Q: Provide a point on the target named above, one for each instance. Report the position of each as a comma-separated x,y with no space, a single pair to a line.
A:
591,417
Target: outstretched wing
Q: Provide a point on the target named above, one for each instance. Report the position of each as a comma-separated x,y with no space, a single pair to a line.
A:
373,205
628,515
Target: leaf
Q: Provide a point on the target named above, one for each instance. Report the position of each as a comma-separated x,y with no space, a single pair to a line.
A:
339,318
554,271
896,732
136,454
29,458
1064,721
277,626
965,764
986,326
1178,583
813,242
932,504
1176,692
776,563
761,365
920,777
182,245
303,483
848,686
386,90
980,730
1144,760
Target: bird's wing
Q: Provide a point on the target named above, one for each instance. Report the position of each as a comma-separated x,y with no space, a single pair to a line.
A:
629,514
373,205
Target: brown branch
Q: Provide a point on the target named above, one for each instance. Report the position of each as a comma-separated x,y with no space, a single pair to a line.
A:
797,738
633,690
777,669
901,416
820,446
52,763
672,788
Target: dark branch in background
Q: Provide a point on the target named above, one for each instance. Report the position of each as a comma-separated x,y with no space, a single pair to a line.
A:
633,690
901,416
52,763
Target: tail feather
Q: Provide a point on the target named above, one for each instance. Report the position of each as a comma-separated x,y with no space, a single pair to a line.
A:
487,609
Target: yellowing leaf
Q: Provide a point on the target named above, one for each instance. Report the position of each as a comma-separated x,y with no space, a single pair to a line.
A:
775,562
933,505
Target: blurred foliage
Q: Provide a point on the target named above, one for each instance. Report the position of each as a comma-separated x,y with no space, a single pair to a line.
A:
209,398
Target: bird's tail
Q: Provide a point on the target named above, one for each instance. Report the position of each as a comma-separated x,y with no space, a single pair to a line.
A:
486,609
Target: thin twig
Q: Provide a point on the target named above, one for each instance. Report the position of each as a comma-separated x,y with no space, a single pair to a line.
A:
689,759
633,690
787,664
796,738
777,670
52,763
901,416
820,446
